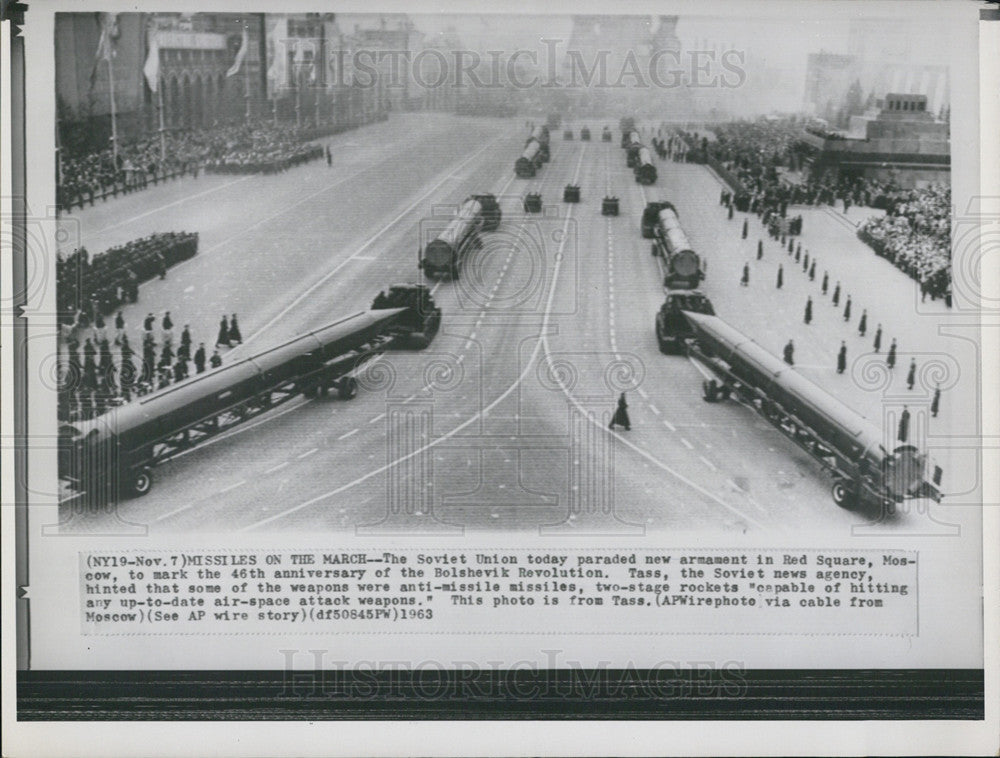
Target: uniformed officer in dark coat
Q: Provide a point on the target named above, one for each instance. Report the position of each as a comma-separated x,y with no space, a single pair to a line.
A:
223,338
805,262
234,331
847,309
809,311
216,359
621,415
842,358
812,271
781,277
147,323
936,401
789,353
891,357
836,294
911,375
878,338
199,358
863,323
904,425
745,279
760,249
746,228
730,210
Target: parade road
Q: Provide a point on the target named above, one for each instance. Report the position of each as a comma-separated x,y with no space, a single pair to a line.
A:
502,422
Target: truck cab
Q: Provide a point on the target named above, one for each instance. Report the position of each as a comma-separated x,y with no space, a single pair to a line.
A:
672,328
420,323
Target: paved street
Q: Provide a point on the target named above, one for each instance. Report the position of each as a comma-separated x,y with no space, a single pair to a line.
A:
501,423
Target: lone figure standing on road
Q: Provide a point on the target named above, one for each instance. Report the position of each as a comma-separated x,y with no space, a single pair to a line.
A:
911,375
863,323
842,358
809,311
878,338
936,402
745,279
781,276
847,309
836,294
826,282
891,358
760,249
790,353
746,228
621,415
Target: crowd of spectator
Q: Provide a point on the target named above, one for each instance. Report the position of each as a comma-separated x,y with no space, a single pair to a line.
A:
91,286
261,146
915,235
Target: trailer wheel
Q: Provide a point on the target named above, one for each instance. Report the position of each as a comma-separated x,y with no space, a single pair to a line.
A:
347,388
140,481
841,493
709,391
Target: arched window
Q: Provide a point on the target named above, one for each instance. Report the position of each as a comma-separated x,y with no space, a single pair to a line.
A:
173,116
186,110
198,100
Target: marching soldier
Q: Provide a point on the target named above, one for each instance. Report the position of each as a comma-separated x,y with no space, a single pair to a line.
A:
863,323
798,251
789,353
745,279
847,309
119,328
223,338
812,271
199,358
842,358
234,331
936,401
836,294
168,328
891,357
148,322
746,228
911,375
809,311
620,418
805,261
781,276
878,338
760,249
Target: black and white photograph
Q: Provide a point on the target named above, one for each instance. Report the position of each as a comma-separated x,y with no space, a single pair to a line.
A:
427,339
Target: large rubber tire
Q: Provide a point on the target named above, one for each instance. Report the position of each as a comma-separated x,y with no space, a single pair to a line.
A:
347,387
841,494
140,481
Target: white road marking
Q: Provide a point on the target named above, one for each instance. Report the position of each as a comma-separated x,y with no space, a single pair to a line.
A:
654,409
276,468
307,453
687,444
708,463
379,417
348,434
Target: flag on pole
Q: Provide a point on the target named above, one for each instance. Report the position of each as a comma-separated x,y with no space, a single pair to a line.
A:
240,54
152,67
277,47
108,23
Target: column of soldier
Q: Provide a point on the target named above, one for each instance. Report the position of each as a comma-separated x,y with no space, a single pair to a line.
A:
94,382
809,268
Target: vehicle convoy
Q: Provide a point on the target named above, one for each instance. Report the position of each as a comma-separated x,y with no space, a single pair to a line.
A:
843,441
530,160
684,268
445,253
645,171
112,456
541,135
